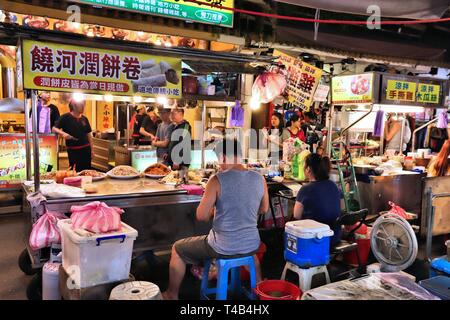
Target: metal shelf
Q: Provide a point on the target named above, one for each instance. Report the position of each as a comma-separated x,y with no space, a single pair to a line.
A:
208,98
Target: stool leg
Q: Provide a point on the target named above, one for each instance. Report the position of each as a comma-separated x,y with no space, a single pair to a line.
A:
252,271
236,280
222,282
327,275
283,275
304,278
204,284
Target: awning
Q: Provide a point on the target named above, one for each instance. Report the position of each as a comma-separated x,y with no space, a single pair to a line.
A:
411,9
362,47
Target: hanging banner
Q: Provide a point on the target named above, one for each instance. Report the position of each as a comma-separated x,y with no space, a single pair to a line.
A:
352,89
428,93
401,90
303,80
177,9
105,119
59,67
13,157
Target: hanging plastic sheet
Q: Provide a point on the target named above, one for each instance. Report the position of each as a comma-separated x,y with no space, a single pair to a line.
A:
237,115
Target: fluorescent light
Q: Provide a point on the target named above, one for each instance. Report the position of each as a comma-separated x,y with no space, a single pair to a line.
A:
254,103
108,97
78,96
137,99
400,108
168,44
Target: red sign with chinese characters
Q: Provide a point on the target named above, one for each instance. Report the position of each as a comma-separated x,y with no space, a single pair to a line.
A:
58,67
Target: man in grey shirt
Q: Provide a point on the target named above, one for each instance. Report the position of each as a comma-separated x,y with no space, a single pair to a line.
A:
163,134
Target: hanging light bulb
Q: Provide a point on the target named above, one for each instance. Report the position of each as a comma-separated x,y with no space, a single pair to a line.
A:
108,97
162,100
254,103
78,97
137,99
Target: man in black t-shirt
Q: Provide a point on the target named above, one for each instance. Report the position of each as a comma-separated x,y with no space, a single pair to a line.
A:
149,127
76,130
137,124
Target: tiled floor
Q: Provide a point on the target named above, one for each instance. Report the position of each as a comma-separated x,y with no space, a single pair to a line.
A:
153,268
13,281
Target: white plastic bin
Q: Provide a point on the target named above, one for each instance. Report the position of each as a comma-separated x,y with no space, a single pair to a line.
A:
99,259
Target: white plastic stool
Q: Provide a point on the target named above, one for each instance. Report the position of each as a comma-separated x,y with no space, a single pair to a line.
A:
305,275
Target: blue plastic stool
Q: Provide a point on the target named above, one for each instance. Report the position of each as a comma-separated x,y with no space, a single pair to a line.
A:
223,268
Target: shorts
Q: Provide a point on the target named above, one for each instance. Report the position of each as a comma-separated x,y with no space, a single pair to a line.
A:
195,250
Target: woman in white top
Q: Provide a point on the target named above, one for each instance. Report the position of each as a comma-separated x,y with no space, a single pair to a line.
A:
393,133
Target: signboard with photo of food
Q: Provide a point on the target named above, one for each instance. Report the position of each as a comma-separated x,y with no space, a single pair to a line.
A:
59,67
353,89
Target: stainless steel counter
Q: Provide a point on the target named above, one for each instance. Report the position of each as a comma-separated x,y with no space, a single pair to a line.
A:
405,189
160,213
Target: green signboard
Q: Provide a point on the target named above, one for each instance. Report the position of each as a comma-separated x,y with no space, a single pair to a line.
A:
177,9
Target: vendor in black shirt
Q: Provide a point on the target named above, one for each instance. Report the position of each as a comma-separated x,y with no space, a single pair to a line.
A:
180,141
76,130
137,124
149,127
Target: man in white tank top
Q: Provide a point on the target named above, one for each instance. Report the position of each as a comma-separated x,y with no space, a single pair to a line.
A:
233,198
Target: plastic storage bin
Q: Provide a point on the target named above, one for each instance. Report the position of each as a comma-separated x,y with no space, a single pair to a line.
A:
307,243
99,259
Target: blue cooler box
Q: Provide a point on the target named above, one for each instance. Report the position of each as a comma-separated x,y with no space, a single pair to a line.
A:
307,243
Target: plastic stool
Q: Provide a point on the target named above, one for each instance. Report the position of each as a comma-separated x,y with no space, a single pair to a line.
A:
223,267
305,275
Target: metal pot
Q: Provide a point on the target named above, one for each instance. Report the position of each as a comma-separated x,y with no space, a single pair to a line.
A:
190,85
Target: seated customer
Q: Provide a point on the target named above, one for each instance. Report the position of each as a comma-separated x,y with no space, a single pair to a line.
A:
320,199
233,199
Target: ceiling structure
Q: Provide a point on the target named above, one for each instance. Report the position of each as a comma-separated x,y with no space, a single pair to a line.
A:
424,44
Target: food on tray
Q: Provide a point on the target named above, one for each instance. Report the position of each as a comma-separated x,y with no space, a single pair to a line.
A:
157,169
49,175
91,173
124,171
195,176
171,178
61,174
90,188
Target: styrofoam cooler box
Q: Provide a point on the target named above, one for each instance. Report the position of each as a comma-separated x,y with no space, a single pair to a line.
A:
307,243
98,259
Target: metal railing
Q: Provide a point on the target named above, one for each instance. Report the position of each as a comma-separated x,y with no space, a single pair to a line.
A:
413,147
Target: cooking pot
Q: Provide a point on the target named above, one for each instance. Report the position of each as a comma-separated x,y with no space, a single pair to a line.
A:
190,85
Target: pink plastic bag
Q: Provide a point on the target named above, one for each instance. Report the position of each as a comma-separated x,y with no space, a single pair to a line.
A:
268,86
96,217
397,210
45,231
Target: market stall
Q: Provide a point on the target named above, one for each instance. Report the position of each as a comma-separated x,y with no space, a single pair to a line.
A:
161,211
363,101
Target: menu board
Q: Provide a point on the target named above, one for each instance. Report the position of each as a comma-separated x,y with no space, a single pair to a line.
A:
428,93
401,90
13,156
303,80
352,89
186,10
59,67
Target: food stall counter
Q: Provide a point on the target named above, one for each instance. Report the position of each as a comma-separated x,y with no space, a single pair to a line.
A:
161,213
